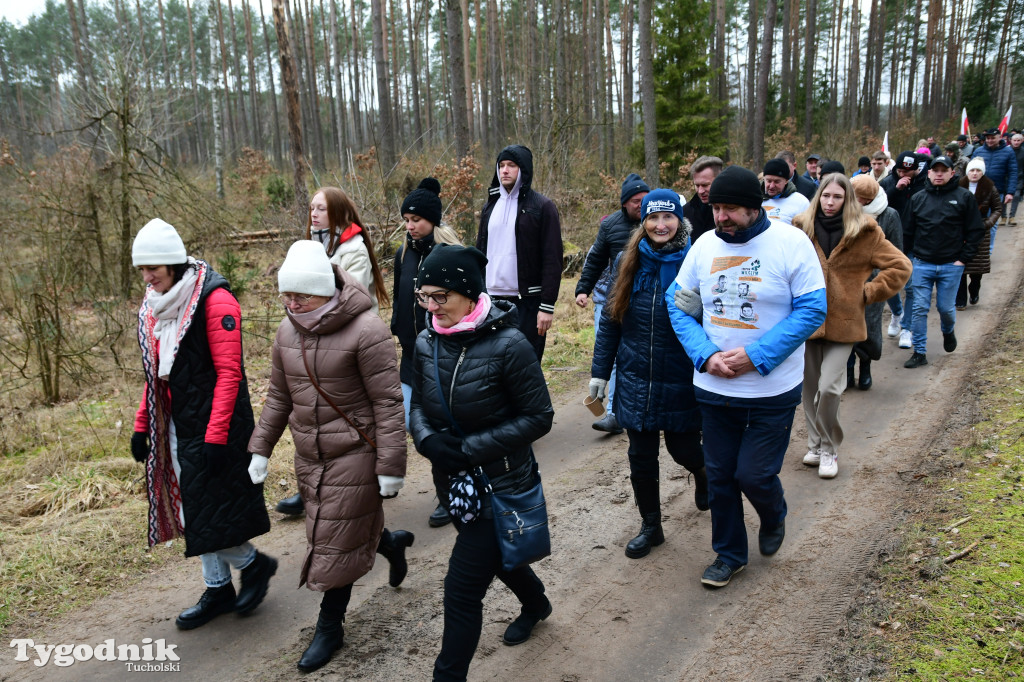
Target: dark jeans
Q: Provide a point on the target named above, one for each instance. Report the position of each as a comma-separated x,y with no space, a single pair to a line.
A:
744,447
684,447
528,307
974,288
475,562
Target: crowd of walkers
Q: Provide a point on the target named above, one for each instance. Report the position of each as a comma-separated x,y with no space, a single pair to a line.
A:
714,319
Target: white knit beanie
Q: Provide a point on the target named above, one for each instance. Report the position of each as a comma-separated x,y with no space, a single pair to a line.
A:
158,243
977,163
306,270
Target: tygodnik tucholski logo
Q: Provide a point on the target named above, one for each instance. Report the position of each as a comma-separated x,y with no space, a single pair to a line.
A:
150,656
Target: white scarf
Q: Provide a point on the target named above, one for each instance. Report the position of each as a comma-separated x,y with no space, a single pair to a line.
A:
168,309
877,205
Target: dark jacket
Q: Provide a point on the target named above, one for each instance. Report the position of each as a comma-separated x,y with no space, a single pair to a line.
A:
226,510
899,199
408,318
538,234
700,216
990,207
1000,166
943,224
654,375
1019,153
612,235
496,392
804,185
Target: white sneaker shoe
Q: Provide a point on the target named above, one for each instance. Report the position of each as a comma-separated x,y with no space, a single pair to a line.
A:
812,458
906,339
828,467
894,326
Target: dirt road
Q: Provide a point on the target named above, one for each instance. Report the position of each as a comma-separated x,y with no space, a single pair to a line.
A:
614,618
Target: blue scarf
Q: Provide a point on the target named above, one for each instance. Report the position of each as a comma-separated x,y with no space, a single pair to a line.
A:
664,261
743,236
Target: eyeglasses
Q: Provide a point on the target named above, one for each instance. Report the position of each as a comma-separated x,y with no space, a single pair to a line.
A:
440,298
301,299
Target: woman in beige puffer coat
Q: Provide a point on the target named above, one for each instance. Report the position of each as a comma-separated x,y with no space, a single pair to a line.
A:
345,464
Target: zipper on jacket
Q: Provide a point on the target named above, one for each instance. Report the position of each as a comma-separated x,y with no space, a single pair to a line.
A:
455,372
650,372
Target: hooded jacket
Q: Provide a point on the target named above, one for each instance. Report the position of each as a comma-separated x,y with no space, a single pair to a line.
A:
494,387
352,356
538,233
990,207
943,224
612,235
1000,166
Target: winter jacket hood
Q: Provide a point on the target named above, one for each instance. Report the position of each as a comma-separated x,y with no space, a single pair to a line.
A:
523,157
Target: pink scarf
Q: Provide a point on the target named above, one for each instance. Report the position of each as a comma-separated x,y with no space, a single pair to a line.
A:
471,321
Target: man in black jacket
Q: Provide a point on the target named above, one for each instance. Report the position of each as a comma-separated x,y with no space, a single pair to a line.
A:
522,236
698,209
803,185
612,234
942,230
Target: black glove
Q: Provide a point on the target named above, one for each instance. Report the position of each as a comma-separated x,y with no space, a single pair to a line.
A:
140,446
445,452
217,458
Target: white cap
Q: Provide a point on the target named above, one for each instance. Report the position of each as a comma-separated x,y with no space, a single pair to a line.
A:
306,270
977,163
158,243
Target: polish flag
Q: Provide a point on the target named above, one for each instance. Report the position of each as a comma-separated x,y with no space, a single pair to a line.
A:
965,125
885,143
1004,125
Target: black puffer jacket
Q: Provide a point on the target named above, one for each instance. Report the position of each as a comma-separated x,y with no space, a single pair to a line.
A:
612,235
899,199
943,224
495,389
408,318
220,511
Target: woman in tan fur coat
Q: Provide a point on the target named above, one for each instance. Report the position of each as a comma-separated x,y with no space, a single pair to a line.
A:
334,382
850,245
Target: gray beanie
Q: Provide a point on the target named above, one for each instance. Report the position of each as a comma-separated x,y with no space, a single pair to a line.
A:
158,243
306,270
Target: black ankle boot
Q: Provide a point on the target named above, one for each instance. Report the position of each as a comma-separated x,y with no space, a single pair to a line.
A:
851,380
865,375
648,501
255,580
700,493
292,506
214,602
328,638
521,628
392,547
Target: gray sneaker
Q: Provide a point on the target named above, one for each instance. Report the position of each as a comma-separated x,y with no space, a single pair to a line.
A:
608,423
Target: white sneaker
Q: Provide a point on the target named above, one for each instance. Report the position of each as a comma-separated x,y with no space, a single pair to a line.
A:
894,326
812,458
829,465
906,339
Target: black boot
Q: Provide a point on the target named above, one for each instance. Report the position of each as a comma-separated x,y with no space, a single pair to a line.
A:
328,638
851,380
521,628
648,501
214,602
392,547
255,580
292,506
865,374
700,494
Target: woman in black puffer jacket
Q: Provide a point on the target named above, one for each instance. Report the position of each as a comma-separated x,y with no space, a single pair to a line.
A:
495,390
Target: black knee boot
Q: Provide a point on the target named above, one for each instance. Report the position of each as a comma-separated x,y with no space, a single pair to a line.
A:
865,374
648,501
330,631
851,380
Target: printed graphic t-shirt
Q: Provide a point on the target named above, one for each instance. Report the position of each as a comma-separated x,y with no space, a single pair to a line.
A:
747,289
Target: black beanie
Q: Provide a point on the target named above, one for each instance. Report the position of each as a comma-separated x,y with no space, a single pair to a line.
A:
632,185
777,167
425,201
738,186
457,268
863,161
832,167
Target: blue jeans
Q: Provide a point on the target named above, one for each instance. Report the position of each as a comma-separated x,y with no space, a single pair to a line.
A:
745,441
896,305
407,401
946,280
217,565
598,307
908,300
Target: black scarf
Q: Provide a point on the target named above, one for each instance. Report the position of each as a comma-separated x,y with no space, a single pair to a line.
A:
828,231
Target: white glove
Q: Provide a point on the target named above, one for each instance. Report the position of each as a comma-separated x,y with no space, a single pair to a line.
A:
598,388
258,468
690,302
390,485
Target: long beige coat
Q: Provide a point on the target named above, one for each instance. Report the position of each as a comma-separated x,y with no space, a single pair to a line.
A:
352,356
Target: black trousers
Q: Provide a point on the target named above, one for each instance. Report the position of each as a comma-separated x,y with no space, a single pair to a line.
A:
974,288
528,307
683,446
475,562
335,602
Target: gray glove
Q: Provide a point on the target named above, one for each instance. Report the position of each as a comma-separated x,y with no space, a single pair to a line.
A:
690,303
598,388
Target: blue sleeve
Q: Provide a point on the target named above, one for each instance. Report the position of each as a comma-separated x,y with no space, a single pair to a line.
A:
690,332
780,341
1011,184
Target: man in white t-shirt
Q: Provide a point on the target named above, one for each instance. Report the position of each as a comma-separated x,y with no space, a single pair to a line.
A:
746,298
781,200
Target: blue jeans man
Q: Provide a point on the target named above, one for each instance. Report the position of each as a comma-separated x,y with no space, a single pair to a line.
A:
945,278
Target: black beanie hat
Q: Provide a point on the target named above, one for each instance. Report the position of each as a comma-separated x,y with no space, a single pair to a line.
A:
425,201
632,185
738,186
457,268
863,161
778,168
832,167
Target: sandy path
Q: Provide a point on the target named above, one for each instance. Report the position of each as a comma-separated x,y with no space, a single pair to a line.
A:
614,618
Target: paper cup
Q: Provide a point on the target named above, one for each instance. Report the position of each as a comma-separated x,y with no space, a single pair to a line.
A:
594,405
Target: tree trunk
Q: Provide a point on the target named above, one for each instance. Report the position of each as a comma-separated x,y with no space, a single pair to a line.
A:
198,135
915,28
809,56
852,84
357,118
254,91
215,116
467,68
414,49
721,79
760,103
626,62
273,89
787,48
290,85
237,64
76,42
386,135
343,144
497,118
646,65
749,105
457,74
